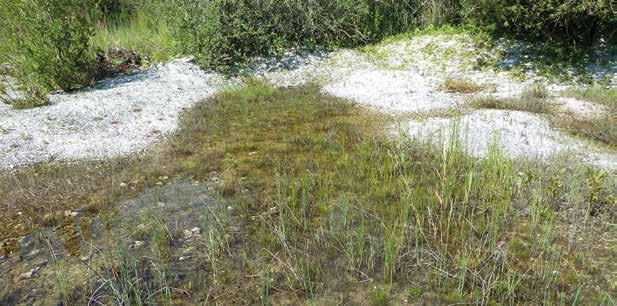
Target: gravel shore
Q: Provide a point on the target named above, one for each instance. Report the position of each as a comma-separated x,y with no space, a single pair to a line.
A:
117,117
128,114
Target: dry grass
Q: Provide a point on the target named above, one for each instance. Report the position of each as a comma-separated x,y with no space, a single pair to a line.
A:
533,100
536,91
462,86
602,128
531,105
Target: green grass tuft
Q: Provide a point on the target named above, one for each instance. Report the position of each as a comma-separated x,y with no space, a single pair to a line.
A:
144,32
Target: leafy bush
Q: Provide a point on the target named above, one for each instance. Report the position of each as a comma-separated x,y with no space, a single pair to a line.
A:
141,29
48,44
580,23
111,8
221,33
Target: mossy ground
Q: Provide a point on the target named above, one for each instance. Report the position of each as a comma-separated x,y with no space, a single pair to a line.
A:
318,206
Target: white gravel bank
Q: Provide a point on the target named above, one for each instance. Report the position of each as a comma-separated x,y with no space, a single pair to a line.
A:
518,134
130,113
408,76
404,76
581,109
118,117
395,92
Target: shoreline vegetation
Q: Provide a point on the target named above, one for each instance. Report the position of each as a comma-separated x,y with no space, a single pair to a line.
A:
224,34
292,196
310,203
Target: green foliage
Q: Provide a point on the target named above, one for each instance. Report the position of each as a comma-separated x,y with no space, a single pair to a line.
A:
325,195
143,31
306,195
111,8
48,44
380,297
222,33
581,22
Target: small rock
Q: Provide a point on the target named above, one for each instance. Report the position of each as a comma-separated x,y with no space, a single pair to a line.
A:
30,274
187,234
24,241
33,253
187,252
161,204
69,213
184,258
123,185
196,230
138,244
159,183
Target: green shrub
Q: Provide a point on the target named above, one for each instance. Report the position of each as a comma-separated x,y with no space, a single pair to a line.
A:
222,33
577,22
142,30
48,44
110,8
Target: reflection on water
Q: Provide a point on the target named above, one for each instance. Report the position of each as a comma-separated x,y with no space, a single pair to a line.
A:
76,238
69,233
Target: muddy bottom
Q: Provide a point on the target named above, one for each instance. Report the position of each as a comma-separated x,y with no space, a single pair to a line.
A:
33,265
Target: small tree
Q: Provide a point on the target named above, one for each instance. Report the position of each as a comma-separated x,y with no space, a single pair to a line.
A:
580,23
48,44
